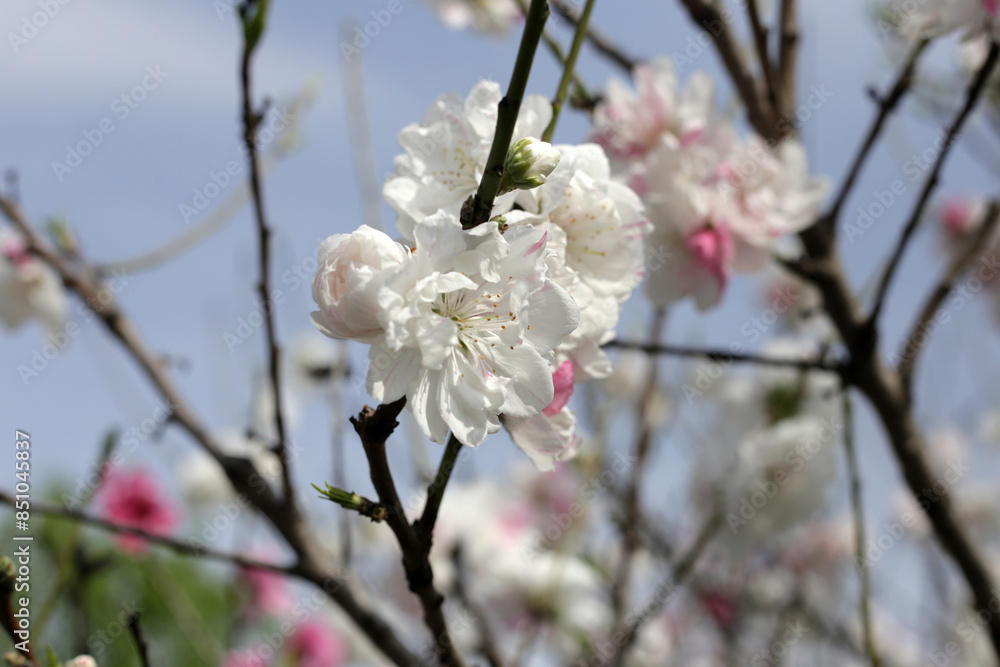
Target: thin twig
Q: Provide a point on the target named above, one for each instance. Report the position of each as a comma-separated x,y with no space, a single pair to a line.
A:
726,356
568,69
191,548
487,638
787,55
631,537
975,90
241,472
886,105
362,149
859,529
707,13
251,119
507,110
435,493
140,641
374,426
600,42
580,89
760,35
627,633
914,342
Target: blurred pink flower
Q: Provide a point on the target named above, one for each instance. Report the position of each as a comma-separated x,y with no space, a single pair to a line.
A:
723,608
268,593
562,381
245,658
133,499
713,251
315,644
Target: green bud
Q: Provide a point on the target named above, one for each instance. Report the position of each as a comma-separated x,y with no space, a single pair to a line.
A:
528,165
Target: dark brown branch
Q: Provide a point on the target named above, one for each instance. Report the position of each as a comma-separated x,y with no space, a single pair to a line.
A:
487,638
374,426
480,206
240,471
788,54
706,14
972,95
631,537
760,35
600,42
886,105
435,493
251,120
627,633
140,642
727,357
914,341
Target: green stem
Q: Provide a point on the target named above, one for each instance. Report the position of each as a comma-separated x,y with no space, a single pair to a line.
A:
859,529
580,92
507,111
435,493
567,77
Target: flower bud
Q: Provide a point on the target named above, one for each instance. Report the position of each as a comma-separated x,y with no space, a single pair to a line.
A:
82,661
528,164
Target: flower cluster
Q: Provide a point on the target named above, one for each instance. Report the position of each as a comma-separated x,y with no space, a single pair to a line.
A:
501,319
717,202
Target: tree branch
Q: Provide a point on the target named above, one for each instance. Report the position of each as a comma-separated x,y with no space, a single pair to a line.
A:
374,426
569,69
600,42
788,54
760,43
726,356
973,93
886,105
914,342
241,473
481,206
251,119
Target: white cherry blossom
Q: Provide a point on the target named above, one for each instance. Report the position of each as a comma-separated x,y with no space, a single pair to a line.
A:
29,289
446,153
492,16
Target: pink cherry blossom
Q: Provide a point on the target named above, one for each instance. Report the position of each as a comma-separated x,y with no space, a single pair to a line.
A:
134,499
713,250
269,594
316,645
562,380
245,658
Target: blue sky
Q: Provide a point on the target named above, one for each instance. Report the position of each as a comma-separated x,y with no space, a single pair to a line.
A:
126,196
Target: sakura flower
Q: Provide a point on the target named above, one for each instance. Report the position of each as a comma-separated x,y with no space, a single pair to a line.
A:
28,288
446,154
597,233
470,325
135,500
718,207
493,16
629,125
314,644
269,594
348,284
82,661
528,164
550,436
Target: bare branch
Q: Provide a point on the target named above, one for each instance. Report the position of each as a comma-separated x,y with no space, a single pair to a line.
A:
600,42
726,356
974,92
914,341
